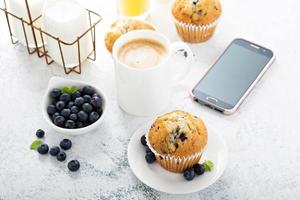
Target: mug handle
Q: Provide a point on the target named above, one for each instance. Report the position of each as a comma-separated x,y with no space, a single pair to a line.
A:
181,49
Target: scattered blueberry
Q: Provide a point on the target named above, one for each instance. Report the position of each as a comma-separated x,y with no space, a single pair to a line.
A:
143,140
59,121
55,93
150,157
73,117
199,169
43,149
94,116
88,90
87,98
65,97
86,107
76,95
70,124
66,112
79,101
65,144
74,109
147,149
51,109
189,174
96,101
73,165
61,156
54,151
82,116
40,133
60,105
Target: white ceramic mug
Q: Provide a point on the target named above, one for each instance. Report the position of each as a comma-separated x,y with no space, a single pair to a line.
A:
145,92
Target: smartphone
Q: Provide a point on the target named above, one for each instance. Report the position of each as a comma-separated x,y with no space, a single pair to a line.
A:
233,76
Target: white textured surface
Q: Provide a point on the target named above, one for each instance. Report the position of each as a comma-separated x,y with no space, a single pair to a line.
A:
263,136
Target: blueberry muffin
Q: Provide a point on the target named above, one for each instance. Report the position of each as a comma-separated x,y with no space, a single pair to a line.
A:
196,20
177,139
121,27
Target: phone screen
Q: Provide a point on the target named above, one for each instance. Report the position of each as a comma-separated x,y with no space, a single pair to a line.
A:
234,72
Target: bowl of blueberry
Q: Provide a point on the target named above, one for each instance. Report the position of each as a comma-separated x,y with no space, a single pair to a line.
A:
73,107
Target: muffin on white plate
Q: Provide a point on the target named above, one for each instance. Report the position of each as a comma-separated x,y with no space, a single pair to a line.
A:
178,140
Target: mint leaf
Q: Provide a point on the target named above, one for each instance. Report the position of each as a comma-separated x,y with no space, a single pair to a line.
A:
65,89
35,144
208,165
73,89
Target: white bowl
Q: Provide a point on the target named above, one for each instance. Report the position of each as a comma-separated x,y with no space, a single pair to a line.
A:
57,82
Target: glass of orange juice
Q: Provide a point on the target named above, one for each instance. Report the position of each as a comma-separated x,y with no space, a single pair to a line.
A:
134,8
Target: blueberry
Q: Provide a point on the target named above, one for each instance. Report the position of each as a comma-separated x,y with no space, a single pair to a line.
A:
43,149
98,110
55,93
51,109
65,97
70,124
76,95
60,105
86,107
147,149
79,124
66,113
82,116
199,169
87,98
70,104
55,115
94,116
74,109
73,117
40,133
73,165
189,174
54,150
143,140
79,101
150,157
88,90
96,101
95,95
61,156
59,121
65,144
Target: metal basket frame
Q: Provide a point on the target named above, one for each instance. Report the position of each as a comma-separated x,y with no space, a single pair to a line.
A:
42,51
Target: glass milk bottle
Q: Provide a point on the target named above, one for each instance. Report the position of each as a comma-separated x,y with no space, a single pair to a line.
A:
66,20
18,7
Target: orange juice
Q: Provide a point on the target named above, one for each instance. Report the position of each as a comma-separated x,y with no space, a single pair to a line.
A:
133,8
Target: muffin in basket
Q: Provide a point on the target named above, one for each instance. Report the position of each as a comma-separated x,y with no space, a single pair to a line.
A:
177,139
121,27
196,20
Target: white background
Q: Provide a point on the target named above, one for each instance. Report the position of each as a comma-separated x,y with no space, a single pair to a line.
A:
263,136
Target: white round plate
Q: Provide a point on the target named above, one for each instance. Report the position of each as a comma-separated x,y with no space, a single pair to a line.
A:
162,180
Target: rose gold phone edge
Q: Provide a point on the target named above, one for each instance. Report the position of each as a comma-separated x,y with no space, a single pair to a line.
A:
238,104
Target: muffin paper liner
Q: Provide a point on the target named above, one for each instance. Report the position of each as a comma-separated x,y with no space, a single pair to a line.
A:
175,163
195,33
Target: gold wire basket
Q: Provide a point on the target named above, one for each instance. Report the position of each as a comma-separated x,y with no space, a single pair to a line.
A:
37,31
